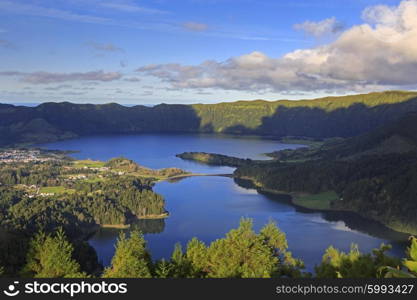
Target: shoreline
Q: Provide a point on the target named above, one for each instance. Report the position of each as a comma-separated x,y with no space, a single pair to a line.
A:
193,175
261,189
153,217
128,225
74,136
116,226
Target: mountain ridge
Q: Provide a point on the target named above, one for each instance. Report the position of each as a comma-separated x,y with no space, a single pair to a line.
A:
344,116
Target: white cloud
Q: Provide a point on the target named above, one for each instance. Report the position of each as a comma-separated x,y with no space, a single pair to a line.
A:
318,29
381,53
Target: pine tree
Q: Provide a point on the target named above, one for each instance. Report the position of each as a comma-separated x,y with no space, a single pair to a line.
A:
51,257
196,254
131,259
163,269
354,264
409,263
242,253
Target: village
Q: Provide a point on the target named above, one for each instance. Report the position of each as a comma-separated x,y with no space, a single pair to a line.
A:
27,155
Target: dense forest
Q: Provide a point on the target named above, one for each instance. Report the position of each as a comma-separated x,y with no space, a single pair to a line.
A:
213,159
320,118
374,174
54,192
77,195
242,253
363,159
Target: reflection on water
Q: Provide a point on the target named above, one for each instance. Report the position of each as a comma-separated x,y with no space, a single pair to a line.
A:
150,225
158,151
341,220
358,223
104,239
208,207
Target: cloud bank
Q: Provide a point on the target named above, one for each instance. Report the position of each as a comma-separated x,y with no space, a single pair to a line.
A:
318,29
380,53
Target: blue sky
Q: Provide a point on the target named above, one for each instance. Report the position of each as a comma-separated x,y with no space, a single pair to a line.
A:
189,51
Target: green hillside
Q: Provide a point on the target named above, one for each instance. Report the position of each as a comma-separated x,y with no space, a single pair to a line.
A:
320,118
374,174
250,114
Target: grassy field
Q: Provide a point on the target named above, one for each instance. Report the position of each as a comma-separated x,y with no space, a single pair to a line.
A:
316,201
55,190
93,180
89,163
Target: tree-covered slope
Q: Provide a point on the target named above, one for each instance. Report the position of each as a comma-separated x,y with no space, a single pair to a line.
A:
374,174
396,137
320,118
348,115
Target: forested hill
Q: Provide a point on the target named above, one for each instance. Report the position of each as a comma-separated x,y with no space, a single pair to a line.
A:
320,118
374,174
397,137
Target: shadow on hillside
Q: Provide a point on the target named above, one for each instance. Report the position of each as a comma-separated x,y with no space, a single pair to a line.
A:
54,121
114,118
316,122
351,220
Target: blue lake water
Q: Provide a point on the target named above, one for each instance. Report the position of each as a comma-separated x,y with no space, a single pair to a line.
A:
208,207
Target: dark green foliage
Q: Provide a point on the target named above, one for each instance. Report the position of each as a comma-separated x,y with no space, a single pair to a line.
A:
51,257
131,259
321,118
124,164
398,137
13,249
409,268
337,264
86,256
83,204
378,187
214,159
374,174
241,254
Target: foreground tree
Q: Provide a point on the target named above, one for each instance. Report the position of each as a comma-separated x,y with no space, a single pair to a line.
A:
354,264
409,269
131,259
51,257
241,254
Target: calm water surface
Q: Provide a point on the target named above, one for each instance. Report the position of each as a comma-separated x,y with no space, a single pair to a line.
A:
208,207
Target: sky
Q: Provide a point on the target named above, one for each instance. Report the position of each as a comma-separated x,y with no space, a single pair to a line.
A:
203,51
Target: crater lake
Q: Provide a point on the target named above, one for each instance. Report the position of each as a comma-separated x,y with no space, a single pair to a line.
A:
207,207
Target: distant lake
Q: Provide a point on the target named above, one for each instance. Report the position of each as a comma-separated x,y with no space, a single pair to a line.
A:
208,207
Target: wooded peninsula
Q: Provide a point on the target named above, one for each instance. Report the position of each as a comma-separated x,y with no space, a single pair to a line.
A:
361,156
